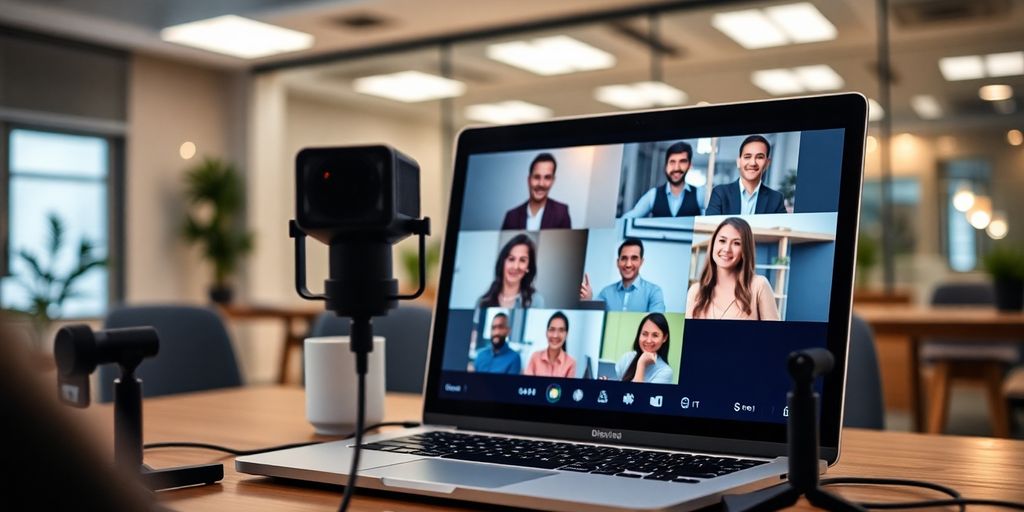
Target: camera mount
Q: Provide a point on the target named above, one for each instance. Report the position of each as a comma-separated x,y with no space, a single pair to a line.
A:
78,351
803,438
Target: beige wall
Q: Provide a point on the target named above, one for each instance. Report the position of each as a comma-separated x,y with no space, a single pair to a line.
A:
168,103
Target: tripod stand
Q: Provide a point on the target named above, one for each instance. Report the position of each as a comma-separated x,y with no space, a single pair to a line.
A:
802,432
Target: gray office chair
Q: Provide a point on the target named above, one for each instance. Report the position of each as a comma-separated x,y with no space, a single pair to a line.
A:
195,351
953,360
864,404
407,333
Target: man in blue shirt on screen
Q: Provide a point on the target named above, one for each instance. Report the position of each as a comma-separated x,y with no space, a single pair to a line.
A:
632,293
675,198
498,357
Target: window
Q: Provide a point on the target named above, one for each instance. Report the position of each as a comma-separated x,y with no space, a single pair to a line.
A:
66,175
963,243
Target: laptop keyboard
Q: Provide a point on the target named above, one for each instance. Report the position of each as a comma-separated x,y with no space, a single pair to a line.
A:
582,458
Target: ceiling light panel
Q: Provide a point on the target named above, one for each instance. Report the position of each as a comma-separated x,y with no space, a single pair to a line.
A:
802,22
926,106
409,86
775,26
237,36
967,67
819,78
995,92
777,82
1005,64
750,28
640,95
508,112
556,55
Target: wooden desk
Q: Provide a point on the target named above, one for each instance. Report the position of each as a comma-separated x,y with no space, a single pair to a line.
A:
263,416
297,322
916,323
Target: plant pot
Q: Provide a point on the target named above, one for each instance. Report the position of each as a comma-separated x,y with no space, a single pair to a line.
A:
1009,295
221,294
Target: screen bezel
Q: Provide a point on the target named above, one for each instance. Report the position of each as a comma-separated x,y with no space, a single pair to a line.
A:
847,111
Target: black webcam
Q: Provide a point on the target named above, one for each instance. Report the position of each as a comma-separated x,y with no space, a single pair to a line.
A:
77,351
361,190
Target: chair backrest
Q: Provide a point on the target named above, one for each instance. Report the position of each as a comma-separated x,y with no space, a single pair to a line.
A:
407,334
195,350
864,405
964,294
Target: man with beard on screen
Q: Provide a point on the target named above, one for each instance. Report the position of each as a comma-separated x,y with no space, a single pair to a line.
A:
675,198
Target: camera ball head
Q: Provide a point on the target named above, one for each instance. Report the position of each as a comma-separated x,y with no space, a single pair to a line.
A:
78,350
802,435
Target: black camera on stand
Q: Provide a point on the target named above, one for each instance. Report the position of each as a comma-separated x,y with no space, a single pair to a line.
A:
359,201
78,351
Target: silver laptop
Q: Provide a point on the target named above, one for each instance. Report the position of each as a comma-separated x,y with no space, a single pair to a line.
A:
720,239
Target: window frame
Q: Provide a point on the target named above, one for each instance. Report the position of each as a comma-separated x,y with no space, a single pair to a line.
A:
114,188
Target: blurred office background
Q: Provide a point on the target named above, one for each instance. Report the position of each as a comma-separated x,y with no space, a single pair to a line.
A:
105,107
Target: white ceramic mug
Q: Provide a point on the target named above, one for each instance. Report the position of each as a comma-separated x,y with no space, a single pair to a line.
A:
331,385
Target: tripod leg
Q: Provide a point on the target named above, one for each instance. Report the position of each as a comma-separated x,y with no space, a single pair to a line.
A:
831,502
169,478
765,500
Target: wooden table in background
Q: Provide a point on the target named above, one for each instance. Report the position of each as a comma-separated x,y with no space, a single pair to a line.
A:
296,320
254,417
917,323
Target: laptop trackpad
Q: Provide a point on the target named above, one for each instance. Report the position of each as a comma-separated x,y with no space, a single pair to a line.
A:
442,475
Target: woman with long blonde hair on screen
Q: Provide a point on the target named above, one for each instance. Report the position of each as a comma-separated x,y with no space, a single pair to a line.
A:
728,288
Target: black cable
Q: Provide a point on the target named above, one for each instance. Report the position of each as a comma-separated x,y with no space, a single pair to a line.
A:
236,451
361,411
955,497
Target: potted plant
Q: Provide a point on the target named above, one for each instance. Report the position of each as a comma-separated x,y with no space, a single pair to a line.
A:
410,258
48,287
216,197
1006,266
866,258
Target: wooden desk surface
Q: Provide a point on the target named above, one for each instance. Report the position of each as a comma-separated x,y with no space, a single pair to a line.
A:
984,323
254,417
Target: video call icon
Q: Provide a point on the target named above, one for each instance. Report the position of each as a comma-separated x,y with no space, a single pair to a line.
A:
602,397
554,393
656,401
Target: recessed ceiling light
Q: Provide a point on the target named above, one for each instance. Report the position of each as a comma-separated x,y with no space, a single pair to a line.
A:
1005,64
554,55
819,78
926,106
967,67
187,150
995,92
640,95
237,36
1015,137
780,82
802,22
750,28
775,26
777,82
507,112
409,86
875,110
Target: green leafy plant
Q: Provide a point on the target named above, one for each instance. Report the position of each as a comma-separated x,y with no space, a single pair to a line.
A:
47,286
1005,263
868,253
410,262
215,194
788,187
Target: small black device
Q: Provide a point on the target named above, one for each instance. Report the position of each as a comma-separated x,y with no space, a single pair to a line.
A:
802,429
78,350
358,200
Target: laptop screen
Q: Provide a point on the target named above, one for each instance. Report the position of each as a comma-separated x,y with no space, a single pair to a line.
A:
636,270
